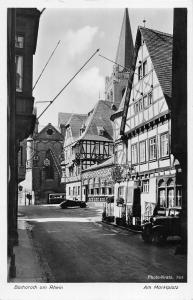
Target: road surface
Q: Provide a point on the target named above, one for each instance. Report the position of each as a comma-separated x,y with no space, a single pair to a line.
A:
73,245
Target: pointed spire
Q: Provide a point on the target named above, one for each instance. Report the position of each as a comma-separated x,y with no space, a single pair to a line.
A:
125,48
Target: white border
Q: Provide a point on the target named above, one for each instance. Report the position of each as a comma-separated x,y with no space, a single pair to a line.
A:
91,291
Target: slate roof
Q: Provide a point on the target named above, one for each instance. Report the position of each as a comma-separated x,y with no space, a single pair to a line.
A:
76,121
159,45
100,116
63,118
106,163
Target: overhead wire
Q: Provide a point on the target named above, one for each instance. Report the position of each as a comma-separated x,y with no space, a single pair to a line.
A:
51,101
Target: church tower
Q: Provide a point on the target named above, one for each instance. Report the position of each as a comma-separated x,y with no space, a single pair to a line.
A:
115,85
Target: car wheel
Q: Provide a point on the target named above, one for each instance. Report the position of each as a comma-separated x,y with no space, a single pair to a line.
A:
159,237
147,236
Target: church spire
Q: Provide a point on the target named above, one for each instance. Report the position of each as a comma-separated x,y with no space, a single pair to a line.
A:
125,48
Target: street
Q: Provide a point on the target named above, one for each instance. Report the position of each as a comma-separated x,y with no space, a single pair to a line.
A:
73,245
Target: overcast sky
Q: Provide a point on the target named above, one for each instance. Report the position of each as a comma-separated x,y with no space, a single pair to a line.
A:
81,32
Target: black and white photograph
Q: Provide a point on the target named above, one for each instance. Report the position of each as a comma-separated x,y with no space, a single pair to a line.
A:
97,150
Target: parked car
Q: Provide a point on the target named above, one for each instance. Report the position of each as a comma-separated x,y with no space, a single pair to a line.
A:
72,203
165,223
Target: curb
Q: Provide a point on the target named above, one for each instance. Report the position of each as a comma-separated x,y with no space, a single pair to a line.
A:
121,227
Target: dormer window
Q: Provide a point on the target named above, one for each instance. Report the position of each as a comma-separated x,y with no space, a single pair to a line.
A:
100,130
82,129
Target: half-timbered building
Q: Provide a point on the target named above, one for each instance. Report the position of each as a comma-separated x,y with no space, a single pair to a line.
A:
151,176
88,140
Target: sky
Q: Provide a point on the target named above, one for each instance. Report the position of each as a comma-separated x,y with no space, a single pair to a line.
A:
81,32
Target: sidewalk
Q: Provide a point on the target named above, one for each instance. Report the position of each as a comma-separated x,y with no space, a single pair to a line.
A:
121,227
26,259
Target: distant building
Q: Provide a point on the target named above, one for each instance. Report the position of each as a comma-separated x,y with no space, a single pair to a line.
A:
88,140
43,166
98,183
22,31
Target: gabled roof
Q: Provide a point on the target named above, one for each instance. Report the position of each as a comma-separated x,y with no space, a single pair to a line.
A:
42,135
125,48
75,122
63,118
159,46
100,116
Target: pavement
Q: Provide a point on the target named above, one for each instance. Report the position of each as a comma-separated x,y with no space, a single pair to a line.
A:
26,259
122,227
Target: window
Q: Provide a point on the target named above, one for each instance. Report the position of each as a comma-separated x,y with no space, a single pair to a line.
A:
74,190
152,148
19,73
78,190
121,191
140,105
142,150
166,195
170,192
164,144
170,197
110,191
49,131
134,153
179,196
150,98
19,41
91,191
162,197
100,130
136,107
144,68
69,191
103,191
139,72
145,186
96,191
145,101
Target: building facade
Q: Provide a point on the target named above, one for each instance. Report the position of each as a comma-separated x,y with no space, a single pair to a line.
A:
97,182
153,174
88,140
22,31
43,166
